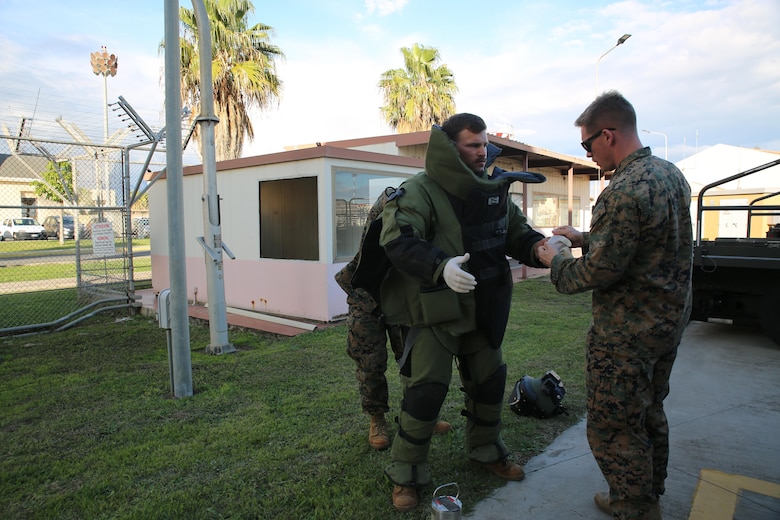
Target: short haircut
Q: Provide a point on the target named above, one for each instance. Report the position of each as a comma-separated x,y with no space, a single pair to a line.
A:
463,121
608,110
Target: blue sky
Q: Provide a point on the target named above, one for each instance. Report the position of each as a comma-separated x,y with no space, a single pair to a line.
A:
702,72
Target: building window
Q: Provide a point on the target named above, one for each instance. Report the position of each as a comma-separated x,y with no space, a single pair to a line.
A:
288,219
551,210
355,193
28,207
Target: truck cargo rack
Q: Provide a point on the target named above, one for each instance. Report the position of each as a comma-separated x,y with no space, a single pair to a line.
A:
737,280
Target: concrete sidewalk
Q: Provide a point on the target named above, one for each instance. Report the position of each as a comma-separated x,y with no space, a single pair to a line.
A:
724,418
235,317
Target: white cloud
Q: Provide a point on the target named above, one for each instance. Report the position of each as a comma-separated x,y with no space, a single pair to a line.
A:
712,73
323,100
385,7
700,72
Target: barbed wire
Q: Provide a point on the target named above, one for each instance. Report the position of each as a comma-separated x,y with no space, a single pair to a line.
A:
43,109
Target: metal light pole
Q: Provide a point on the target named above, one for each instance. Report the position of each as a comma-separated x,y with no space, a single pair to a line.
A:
666,147
211,241
181,360
620,41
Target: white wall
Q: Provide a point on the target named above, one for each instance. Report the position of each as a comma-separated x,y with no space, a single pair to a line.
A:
721,161
297,288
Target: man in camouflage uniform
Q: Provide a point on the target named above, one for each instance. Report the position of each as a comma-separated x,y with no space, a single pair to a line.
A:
367,337
637,260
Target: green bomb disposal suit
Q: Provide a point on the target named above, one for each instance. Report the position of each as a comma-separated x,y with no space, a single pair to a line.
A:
438,214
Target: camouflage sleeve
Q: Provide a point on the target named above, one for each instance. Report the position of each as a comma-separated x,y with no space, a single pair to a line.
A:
379,204
612,243
344,276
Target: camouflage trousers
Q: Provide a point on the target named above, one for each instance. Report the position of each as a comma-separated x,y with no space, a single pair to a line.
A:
367,346
627,428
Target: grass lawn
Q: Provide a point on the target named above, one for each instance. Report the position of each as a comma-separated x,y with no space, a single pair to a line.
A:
53,271
90,430
46,259
36,247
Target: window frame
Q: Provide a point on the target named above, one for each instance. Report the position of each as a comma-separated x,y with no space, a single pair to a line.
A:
339,254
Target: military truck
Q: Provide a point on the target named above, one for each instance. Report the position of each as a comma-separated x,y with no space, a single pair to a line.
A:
737,280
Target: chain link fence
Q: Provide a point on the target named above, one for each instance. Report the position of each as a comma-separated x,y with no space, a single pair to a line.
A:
67,244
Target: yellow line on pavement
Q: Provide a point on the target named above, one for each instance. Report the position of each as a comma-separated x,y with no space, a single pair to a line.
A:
717,492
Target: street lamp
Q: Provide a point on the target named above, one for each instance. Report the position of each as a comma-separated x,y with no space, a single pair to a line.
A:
620,41
666,147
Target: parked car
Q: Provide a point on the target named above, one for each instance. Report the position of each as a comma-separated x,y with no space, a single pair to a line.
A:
52,226
141,227
24,228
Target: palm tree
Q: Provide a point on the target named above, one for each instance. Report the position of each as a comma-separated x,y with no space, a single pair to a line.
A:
419,95
243,70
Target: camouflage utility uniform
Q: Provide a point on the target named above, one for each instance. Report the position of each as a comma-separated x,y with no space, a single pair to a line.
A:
367,332
637,260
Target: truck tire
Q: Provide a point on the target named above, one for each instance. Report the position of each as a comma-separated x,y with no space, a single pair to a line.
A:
770,314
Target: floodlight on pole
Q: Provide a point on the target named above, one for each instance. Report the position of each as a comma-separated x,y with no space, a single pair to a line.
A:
620,41
104,64
666,146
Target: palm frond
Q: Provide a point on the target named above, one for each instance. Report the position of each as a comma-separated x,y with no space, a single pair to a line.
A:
243,70
419,95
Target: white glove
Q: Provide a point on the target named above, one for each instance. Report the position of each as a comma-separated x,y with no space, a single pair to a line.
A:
561,244
456,278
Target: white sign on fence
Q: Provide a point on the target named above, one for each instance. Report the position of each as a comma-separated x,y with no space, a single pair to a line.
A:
103,239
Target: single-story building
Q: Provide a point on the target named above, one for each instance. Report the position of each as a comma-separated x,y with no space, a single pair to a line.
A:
17,195
18,198
293,219
720,162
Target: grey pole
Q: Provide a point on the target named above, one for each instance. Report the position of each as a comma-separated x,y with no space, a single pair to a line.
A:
212,231
180,332
128,220
666,142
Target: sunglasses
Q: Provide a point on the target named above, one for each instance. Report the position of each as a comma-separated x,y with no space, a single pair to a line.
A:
587,143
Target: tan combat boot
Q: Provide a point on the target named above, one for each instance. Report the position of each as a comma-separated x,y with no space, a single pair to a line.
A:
602,502
378,438
652,512
442,427
504,469
404,498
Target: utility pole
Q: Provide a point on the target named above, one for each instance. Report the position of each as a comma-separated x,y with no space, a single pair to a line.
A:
181,360
211,241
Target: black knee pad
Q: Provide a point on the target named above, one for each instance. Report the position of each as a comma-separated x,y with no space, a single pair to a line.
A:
424,401
491,391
